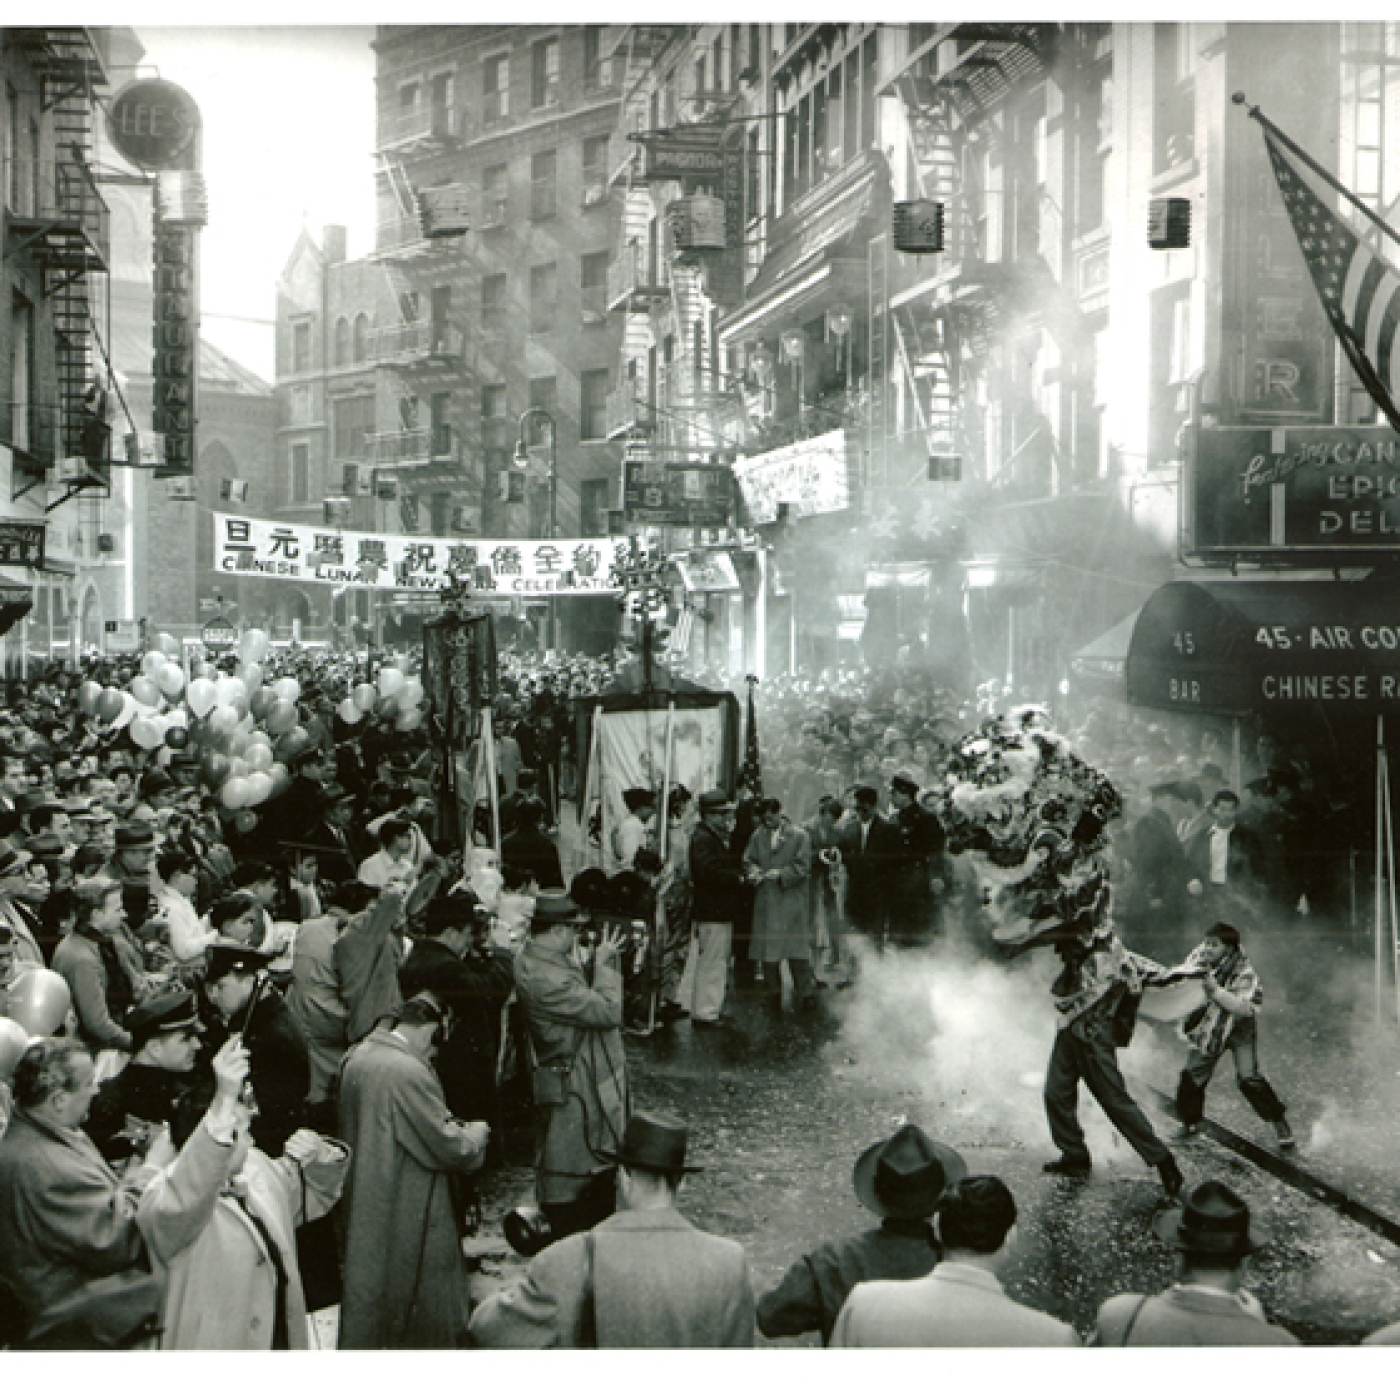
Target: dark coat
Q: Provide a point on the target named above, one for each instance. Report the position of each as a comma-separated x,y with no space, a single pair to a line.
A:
716,876
475,988
869,872
146,1092
336,859
279,1068
535,852
1157,895
811,1293
921,844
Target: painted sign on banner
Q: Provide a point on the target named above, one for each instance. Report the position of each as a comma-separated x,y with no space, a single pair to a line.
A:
813,477
1288,490
414,563
21,544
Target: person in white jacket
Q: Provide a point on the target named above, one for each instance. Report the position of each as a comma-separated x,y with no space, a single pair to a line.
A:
220,1223
187,931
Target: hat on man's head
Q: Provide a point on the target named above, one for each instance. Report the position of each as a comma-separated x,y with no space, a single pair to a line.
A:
9,822
459,910
629,893
590,889
171,1011
905,781
715,801
154,782
45,847
135,836
653,1142
903,1176
1211,1219
555,907
635,798
223,956
27,802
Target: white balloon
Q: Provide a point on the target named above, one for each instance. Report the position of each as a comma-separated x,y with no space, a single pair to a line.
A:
287,688
390,682
230,690
412,693
252,674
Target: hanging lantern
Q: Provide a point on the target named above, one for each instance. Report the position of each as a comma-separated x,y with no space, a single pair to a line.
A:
793,346
918,226
838,323
696,222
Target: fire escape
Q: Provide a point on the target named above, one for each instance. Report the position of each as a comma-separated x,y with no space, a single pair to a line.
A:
62,225
949,107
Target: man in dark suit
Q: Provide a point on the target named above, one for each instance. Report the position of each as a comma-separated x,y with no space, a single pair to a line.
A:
913,904
870,847
528,848
1157,897
1223,864
338,859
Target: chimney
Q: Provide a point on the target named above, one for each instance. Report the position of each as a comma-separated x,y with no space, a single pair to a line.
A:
333,243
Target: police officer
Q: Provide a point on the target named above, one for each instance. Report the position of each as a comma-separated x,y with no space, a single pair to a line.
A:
165,1044
240,999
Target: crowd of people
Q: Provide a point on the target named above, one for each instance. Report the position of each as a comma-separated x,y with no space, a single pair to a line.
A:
253,1060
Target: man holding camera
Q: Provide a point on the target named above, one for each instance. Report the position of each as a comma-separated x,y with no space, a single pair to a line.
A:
579,1068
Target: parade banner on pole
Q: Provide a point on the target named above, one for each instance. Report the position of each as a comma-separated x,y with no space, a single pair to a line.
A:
520,568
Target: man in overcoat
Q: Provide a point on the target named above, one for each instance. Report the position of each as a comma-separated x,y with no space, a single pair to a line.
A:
644,1277
579,1067
65,1217
778,860
900,1179
1208,1306
405,1282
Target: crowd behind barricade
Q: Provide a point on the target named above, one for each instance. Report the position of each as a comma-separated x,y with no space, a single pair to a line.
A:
255,1058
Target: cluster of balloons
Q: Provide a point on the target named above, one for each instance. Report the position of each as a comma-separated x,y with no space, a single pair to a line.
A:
393,696
243,729
38,1005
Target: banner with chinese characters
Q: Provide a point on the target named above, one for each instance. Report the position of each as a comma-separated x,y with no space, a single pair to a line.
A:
505,568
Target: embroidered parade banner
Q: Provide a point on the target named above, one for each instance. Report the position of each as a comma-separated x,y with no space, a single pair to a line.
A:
520,568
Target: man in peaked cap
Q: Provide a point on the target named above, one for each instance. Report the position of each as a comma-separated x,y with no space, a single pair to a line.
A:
239,999
917,874
1208,1304
900,1179
131,865
165,1044
644,1277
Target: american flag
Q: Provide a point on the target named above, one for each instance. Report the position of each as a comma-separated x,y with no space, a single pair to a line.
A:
751,774
1359,290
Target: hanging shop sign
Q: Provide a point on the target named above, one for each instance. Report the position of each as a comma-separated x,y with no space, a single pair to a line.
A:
414,563
697,223
154,123
122,635
712,571
812,477
666,493
1308,491
683,153
1234,648
21,544
173,363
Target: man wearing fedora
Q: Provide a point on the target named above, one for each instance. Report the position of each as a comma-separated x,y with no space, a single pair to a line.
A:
961,1303
578,1065
900,1179
643,1278
131,866
1208,1305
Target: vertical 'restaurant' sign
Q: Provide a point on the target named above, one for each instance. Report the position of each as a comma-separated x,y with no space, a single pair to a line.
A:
156,126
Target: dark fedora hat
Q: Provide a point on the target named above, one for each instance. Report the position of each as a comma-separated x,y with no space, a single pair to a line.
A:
905,781
135,836
1211,1219
653,1142
555,907
589,889
901,1177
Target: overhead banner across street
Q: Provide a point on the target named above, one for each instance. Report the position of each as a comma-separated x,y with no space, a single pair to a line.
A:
519,568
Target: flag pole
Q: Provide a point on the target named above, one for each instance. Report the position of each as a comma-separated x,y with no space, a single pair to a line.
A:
1380,863
1284,139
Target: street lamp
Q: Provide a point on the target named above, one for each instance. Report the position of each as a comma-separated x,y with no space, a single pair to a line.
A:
522,460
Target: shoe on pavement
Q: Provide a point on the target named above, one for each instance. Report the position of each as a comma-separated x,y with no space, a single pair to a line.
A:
1286,1141
1171,1177
1186,1132
1068,1167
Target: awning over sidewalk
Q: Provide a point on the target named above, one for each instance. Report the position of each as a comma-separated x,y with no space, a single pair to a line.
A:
1104,658
16,599
1233,648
